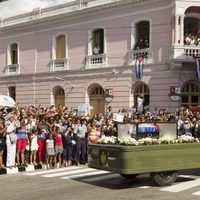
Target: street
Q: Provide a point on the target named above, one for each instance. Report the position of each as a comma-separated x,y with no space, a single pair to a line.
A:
81,182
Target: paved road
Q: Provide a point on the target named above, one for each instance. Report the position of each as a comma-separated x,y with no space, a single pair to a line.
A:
84,183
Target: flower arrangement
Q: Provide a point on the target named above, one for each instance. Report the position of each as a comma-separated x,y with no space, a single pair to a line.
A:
107,140
147,140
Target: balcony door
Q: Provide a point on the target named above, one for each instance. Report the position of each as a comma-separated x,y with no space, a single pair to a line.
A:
98,40
60,47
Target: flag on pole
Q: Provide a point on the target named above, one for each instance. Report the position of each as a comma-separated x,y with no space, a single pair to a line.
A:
139,66
197,59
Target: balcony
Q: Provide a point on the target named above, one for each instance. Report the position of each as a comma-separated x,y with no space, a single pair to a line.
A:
58,65
96,61
180,54
12,69
146,53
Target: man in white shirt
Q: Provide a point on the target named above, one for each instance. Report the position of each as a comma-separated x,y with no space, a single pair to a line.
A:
96,50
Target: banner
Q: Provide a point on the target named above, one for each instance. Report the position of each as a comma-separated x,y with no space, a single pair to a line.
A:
118,117
197,59
139,66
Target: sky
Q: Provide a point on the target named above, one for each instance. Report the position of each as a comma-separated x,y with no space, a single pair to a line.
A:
15,7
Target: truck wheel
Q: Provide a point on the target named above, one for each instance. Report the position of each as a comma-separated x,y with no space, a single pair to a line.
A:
129,176
164,178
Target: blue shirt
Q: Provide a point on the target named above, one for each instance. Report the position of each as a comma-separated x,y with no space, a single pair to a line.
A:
21,134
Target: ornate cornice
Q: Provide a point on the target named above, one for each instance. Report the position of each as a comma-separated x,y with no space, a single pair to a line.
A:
36,18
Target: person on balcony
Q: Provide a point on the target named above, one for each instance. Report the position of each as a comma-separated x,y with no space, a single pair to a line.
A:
187,39
142,44
96,50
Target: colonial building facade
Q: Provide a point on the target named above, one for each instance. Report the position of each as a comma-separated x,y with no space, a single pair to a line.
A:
85,52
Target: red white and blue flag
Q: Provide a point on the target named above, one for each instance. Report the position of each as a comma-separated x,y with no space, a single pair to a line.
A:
139,62
197,59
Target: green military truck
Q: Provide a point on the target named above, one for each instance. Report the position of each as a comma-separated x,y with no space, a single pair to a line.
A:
161,160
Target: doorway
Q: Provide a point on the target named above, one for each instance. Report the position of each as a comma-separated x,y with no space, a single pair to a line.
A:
97,100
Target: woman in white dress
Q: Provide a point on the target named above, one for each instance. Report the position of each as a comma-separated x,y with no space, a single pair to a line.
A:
11,146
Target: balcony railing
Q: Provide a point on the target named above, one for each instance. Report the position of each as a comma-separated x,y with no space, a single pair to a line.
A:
58,65
192,51
184,53
180,54
146,53
96,61
38,13
12,69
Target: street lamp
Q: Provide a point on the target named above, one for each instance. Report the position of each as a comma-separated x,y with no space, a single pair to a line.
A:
62,79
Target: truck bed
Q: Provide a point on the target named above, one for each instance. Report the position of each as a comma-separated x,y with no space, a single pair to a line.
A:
124,159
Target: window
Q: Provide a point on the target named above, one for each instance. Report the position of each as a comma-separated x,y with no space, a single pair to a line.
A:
58,91
141,88
59,96
142,31
98,41
60,47
191,25
190,94
96,49
98,91
12,92
13,54
59,60
12,67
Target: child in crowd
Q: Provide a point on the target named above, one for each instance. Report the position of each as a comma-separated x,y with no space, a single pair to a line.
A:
34,149
58,145
50,151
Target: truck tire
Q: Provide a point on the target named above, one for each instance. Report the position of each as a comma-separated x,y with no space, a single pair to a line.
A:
164,178
129,176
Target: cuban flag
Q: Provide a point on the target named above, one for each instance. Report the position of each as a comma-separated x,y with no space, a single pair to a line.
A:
197,59
139,66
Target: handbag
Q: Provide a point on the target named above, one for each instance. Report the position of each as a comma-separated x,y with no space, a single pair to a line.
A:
13,138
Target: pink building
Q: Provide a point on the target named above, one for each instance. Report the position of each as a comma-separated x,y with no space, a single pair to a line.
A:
85,52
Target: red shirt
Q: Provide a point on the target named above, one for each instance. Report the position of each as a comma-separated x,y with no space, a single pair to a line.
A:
58,140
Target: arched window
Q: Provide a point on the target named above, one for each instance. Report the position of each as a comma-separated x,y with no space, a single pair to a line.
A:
142,35
97,99
58,91
141,88
59,96
98,91
190,94
60,47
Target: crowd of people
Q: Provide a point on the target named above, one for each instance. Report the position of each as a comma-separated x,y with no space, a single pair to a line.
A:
190,39
58,136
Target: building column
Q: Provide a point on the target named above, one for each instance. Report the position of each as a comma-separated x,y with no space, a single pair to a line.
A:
182,30
173,30
177,30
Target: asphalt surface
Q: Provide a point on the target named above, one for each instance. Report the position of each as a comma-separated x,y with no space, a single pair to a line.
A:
83,183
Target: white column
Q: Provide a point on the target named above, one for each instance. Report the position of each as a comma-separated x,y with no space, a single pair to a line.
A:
52,102
133,36
176,30
181,29
131,101
173,31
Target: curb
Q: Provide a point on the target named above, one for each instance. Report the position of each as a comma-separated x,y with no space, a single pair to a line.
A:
15,170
